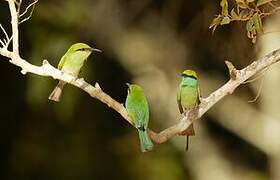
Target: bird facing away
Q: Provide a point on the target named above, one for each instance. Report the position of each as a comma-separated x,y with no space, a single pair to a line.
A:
71,63
188,97
138,111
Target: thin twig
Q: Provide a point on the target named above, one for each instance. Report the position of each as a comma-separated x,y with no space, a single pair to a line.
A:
19,6
26,10
16,2
2,43
5,33
9,41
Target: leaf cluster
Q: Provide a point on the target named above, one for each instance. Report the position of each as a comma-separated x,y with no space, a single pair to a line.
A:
250,11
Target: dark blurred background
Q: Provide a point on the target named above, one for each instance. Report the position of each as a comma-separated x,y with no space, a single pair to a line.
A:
147,42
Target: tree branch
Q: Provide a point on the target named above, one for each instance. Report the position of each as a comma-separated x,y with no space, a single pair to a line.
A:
228,88
237,77
14,22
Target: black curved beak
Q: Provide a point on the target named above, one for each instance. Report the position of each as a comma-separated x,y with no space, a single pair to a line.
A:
95,49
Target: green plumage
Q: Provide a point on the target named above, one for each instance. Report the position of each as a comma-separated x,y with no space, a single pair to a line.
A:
188,96
138,110
71,63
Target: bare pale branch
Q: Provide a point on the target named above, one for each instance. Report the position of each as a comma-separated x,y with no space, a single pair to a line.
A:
14,23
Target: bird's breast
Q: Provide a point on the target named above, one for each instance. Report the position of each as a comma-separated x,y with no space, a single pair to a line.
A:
189,97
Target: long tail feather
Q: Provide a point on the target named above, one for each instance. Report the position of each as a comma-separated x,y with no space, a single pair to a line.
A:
145,141
187,143
56,93
189,132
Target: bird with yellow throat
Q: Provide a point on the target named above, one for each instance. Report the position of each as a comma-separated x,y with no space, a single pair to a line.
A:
188,98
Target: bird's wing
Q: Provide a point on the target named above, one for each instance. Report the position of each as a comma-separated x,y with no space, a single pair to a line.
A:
179,101
131,116
61,62
199,94
142,113
138,117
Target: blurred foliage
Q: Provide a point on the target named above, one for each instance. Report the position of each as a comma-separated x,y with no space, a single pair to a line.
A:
250,11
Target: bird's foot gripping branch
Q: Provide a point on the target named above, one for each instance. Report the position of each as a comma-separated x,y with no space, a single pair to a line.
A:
237,77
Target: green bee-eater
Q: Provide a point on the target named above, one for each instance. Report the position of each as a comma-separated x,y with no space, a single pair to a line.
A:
71,63
188,96
138,111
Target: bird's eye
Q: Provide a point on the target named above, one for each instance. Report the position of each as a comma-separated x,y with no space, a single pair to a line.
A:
82,49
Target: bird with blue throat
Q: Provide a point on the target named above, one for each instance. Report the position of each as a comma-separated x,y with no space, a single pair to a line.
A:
188,98
71,63
137,108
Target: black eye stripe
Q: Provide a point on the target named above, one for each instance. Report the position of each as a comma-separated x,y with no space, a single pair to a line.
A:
190,76
82,49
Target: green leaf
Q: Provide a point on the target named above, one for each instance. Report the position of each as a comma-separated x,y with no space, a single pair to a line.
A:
250,25
262,2
253,27
224,5
257,23
226,20
242,4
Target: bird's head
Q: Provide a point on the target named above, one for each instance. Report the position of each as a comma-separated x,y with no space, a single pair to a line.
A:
189,77
133,88
189,73
82,50
83,47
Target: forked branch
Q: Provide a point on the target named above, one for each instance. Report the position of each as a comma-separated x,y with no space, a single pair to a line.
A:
237,77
